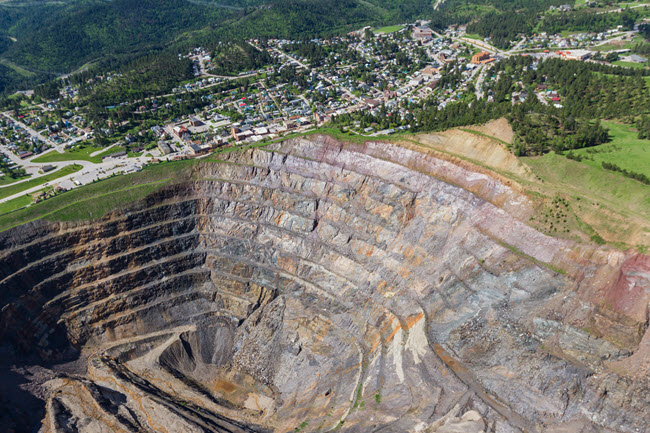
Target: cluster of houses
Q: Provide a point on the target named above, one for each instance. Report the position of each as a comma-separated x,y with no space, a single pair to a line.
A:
561,8
21,133
374,80
18,140
574,41
347,94
278,108
569,8
266,111
201,60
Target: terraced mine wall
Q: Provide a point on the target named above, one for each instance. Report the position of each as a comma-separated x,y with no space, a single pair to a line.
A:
317,285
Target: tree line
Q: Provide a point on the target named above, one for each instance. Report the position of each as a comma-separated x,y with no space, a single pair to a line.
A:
631,174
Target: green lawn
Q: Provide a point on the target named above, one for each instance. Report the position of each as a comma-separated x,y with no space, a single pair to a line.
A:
17,203
389,29
6,180
15,189
474,36
631,64
625,150
624,45
607,47
77,154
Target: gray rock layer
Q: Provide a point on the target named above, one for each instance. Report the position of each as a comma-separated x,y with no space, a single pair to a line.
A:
315,286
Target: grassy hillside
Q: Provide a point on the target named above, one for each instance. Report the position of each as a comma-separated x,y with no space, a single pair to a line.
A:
574,200
625,150
94,200
602,204
581,200
16,203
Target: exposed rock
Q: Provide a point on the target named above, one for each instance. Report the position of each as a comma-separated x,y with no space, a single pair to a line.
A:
314,285
470,422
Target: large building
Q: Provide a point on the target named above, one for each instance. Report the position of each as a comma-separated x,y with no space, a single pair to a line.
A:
180,131
195,122
482,57
164,148
422,33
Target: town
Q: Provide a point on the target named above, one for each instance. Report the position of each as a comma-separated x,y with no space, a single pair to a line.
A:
49,146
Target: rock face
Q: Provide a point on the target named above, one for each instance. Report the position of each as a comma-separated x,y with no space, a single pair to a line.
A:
315,286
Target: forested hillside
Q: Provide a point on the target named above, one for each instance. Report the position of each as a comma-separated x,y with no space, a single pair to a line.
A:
60,37
504,20
85,30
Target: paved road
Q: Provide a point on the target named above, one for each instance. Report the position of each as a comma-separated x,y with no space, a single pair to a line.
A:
87,174
479,81
224,77
517,46
12,156
36,174
617,39
53,146
93,171
473,42
291,59
58,181
619,10
180,145
478,44
33,168
202,67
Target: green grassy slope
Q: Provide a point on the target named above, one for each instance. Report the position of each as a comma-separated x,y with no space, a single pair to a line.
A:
77,154
625,150
601,204
94,200
17,203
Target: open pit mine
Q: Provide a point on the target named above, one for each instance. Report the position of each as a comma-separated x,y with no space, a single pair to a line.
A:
314,285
